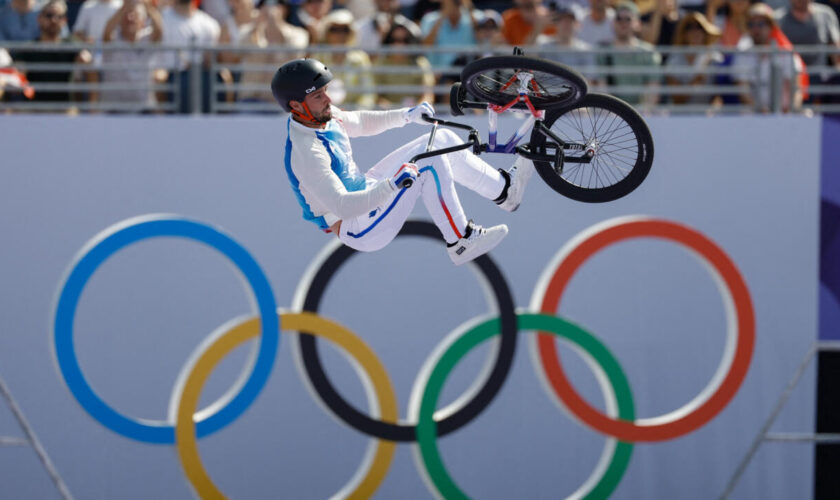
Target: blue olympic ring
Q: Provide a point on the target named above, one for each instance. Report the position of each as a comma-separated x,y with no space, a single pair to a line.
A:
109,242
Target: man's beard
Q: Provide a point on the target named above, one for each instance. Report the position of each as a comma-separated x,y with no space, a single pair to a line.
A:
324,116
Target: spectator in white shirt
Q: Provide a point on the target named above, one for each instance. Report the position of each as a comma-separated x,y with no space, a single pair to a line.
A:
132,67
184,24
596,28
762,77
94,14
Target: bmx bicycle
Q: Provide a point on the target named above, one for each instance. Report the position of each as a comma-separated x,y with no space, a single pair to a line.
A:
589,147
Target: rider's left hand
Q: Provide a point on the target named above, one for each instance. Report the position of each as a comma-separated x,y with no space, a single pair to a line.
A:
415,114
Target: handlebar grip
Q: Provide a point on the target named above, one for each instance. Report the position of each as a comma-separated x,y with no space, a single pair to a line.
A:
430,119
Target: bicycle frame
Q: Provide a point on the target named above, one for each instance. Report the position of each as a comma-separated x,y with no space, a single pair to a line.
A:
535,119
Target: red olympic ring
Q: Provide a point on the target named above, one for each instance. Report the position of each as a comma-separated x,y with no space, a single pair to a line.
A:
623,229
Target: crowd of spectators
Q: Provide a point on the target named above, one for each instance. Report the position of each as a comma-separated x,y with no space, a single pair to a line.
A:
616,44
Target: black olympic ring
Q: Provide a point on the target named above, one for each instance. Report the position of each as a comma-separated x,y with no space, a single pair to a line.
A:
402,432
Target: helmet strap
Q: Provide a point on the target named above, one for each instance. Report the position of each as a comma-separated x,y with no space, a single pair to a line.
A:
308,117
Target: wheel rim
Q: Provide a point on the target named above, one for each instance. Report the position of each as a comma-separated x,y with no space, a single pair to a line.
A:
502,86
610,138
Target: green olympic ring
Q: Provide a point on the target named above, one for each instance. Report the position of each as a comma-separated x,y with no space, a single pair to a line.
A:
614,469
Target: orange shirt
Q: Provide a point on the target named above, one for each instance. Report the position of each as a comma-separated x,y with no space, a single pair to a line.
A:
517,29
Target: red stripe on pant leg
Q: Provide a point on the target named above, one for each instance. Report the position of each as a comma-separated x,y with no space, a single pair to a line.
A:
449,216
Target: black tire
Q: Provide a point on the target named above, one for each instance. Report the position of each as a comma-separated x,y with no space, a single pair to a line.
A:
558,85
457,94
624,151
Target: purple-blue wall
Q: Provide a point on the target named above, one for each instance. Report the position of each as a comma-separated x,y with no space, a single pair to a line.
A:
830,231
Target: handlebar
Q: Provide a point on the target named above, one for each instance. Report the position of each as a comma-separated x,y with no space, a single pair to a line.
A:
472,142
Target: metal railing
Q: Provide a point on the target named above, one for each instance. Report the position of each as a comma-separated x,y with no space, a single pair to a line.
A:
31,440
110,85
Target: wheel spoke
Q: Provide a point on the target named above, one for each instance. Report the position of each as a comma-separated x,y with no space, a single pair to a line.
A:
615,141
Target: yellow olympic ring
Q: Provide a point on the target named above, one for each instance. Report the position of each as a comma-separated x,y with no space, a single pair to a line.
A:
238,331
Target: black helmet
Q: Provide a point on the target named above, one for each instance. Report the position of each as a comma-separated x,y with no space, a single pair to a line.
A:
297,78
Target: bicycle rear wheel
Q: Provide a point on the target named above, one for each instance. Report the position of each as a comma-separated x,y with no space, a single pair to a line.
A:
496,80
616,136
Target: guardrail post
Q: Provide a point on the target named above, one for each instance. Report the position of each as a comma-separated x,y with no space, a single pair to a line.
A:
214,77
195,80
776,81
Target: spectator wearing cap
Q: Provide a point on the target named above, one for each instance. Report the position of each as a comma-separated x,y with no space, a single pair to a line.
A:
525,20
352,84
564,46
490,23
630,52
370,30
19,21
396,70
596,28
764,77
451,26
694,30
488,34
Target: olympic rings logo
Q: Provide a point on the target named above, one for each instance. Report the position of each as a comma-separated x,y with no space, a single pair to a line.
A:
185,423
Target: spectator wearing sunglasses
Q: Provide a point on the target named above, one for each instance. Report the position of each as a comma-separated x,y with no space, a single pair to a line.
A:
630,52
352,84
488,34
754,72
400,69
52,21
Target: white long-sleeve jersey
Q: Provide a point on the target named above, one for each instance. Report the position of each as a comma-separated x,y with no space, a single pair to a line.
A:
320,166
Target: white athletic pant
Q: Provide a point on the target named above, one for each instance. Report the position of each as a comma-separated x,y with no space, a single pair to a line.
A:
436,184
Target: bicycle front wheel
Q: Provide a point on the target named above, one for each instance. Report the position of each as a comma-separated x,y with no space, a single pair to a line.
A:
613,134
496,80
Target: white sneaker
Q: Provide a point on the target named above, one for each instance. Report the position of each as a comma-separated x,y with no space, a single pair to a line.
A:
520,173
479,242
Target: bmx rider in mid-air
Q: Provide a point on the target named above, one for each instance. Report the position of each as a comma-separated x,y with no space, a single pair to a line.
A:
367,211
